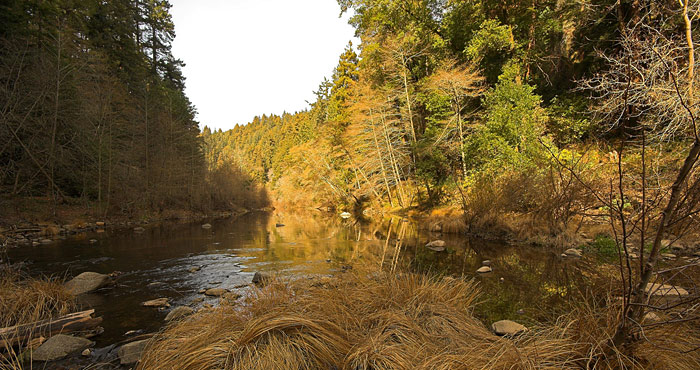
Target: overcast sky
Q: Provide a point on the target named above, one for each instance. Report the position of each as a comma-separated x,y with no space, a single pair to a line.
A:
249,57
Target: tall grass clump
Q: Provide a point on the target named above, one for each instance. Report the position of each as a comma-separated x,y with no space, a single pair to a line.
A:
359,321
25,300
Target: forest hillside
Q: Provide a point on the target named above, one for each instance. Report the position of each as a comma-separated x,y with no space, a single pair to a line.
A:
94,114
487,108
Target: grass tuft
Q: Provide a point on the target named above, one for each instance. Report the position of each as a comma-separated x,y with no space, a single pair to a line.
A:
383,321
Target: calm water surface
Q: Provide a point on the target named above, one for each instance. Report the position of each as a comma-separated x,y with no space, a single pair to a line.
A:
528,283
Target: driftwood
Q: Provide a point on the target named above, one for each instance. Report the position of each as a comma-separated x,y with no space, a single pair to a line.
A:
23,334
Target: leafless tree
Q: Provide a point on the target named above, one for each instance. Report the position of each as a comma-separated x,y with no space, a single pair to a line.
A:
647,97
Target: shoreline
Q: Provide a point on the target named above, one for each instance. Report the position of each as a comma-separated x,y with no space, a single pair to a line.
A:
23,230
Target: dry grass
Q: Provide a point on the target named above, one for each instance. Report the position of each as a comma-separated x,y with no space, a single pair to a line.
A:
26,300
381,321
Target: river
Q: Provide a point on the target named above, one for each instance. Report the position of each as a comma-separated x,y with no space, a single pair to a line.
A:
177,261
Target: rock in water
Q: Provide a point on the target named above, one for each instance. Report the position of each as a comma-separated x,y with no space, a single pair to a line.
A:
178,313
486,263
573,252
130,353
507,328
279,225
60,346
484,269
436,243
215,292
345,215
160,302
139,229
437,249
206,226
260,279
86,282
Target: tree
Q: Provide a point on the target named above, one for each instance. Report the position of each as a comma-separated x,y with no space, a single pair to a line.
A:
647,95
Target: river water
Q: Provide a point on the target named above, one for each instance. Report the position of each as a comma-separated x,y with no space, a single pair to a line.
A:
527,283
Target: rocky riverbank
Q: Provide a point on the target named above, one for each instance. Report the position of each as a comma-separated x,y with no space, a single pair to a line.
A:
27,233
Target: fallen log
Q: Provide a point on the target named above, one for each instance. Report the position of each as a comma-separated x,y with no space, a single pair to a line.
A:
23,334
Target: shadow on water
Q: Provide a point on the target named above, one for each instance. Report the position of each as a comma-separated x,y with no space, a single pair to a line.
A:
177,261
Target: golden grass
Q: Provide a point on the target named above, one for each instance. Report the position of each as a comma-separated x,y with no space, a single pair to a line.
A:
26,300
382,321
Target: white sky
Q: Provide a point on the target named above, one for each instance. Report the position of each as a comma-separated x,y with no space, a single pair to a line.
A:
249,57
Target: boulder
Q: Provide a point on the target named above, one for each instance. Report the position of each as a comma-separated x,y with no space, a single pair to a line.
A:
437,249
206,226
130,353
139,229
261,279
215,292
573,252
507,328
484,269
345,215
60,346
160,302
178,313
86,282
658,290
436,243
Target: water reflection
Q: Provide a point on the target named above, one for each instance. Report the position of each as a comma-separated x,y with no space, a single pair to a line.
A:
177,261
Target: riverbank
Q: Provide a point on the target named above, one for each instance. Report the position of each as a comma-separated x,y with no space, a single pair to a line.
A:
34,221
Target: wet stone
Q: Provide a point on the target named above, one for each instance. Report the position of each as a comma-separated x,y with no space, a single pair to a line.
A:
215,292
160,302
